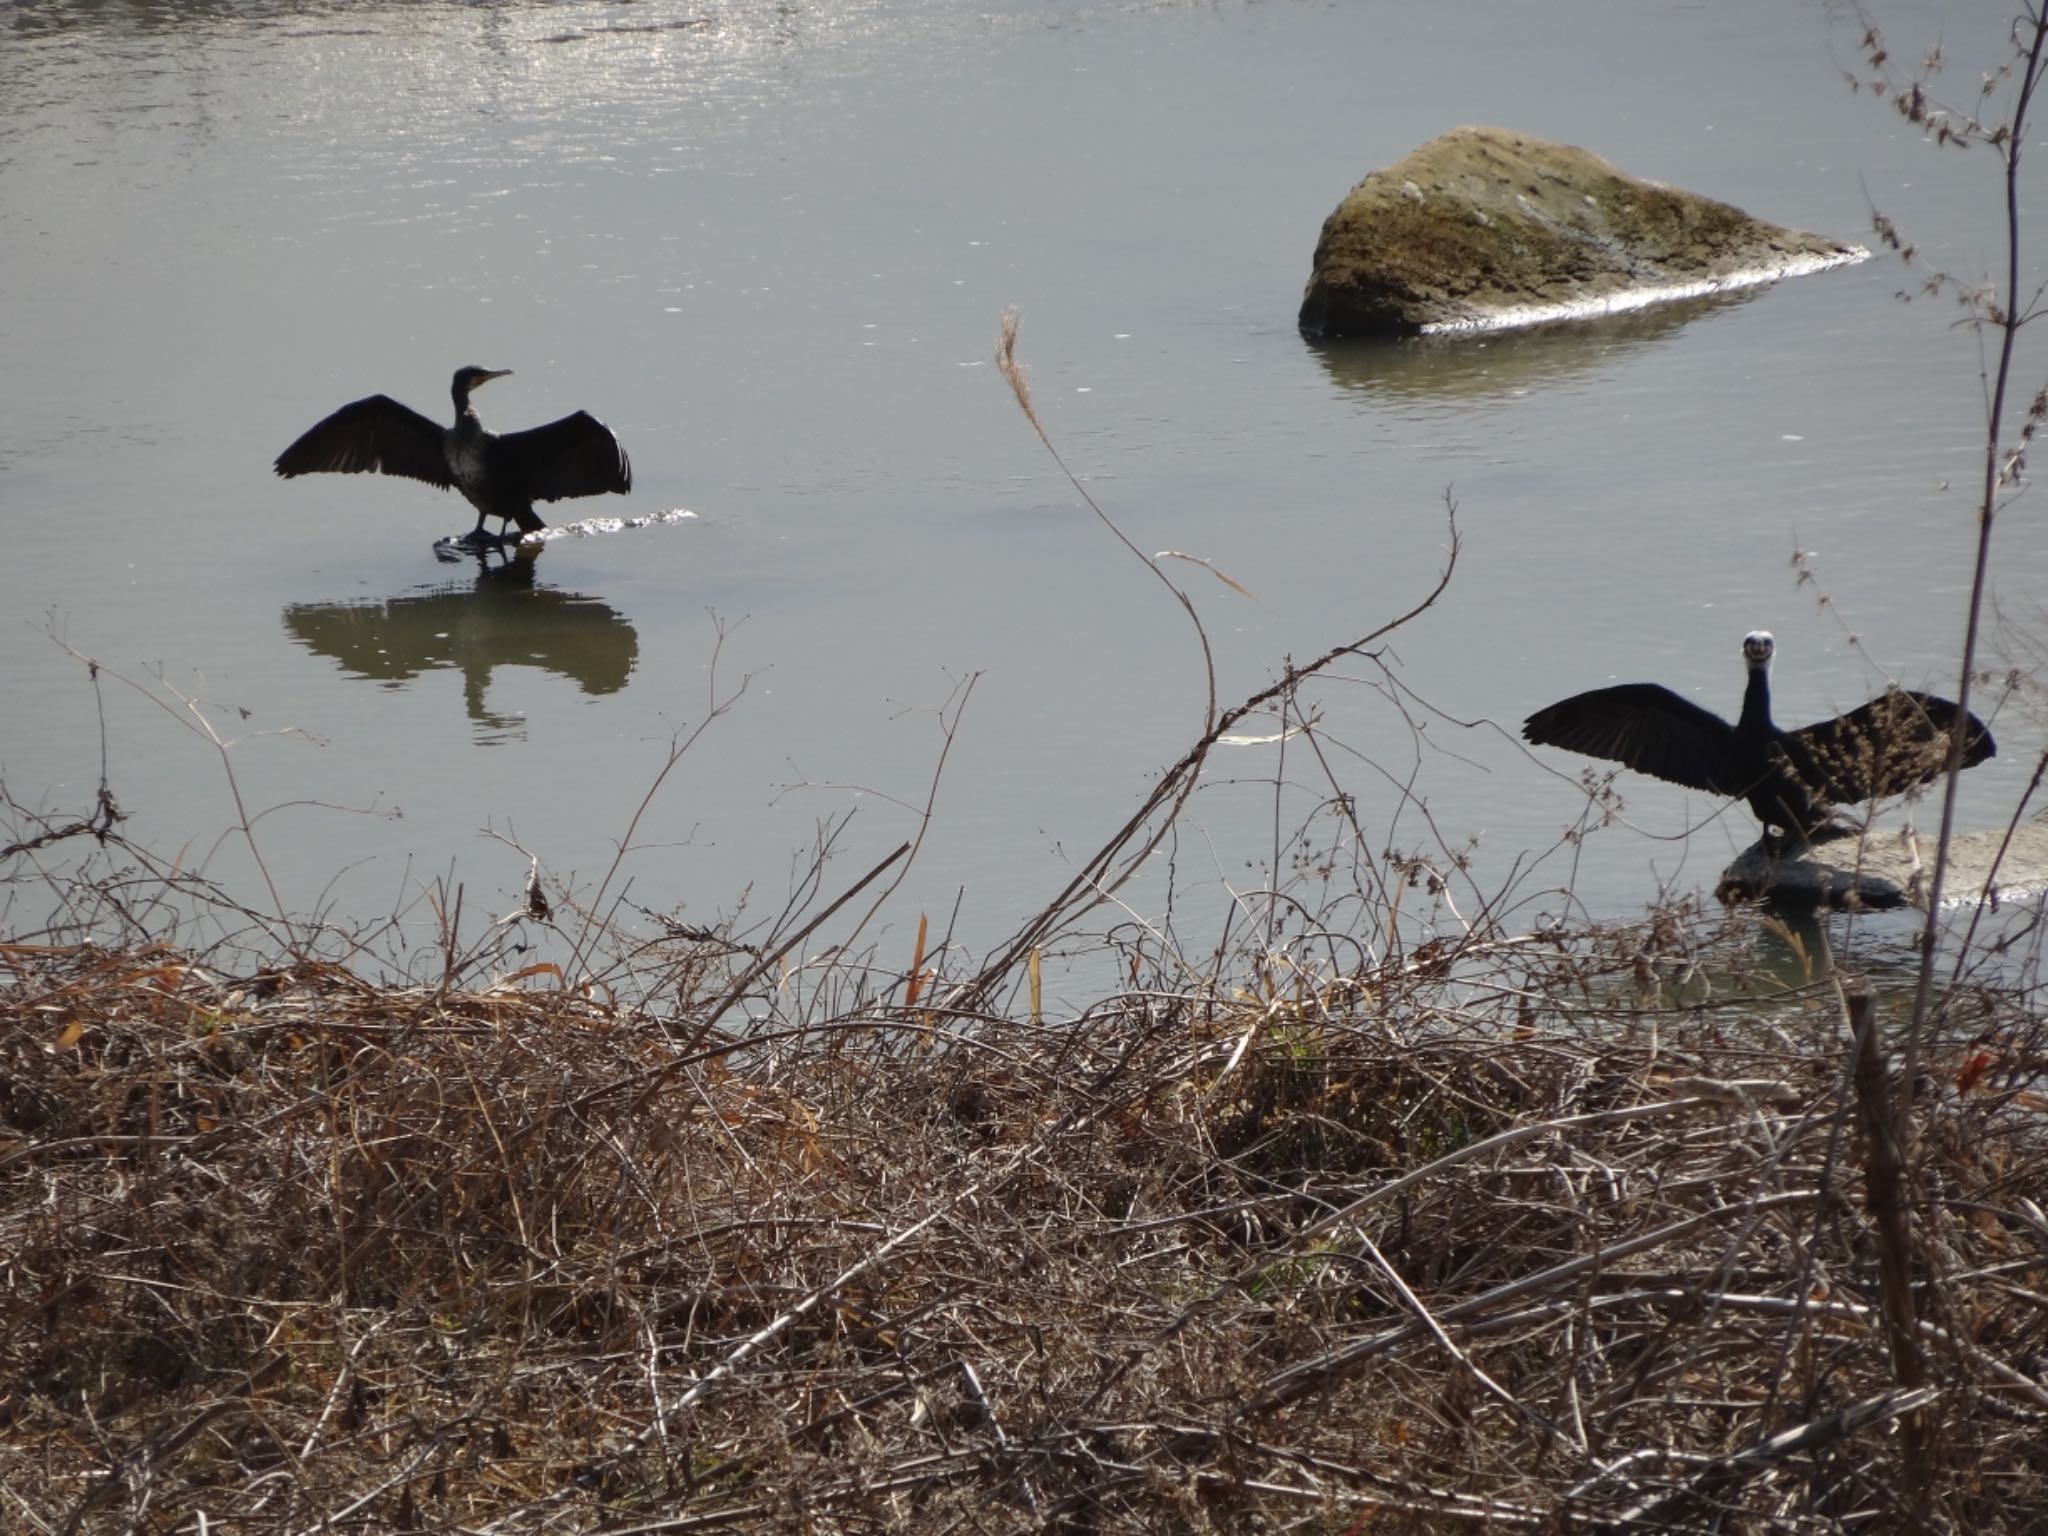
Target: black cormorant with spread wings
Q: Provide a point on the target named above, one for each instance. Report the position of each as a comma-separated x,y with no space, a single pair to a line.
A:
1792,779
502,477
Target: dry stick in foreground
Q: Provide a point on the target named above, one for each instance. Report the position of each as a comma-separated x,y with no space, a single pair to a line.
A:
1297,1381
657,1427
1178,782
678,748
137,1466
647,1080
106,811
192,716
2003,467
1291,1383
1013,374
948,729
1175,784
1663,1512
1885,1185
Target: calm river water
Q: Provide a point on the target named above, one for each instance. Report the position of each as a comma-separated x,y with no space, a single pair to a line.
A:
770,243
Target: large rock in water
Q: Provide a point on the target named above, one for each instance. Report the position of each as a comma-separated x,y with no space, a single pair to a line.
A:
1482,229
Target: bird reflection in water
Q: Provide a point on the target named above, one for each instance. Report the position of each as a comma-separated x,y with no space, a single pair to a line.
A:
500,618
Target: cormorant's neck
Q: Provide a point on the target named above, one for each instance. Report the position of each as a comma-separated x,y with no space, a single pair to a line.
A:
462,406
1756,699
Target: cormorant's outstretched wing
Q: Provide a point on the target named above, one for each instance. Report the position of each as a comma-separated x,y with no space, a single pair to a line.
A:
1885,747
576,456
1647,727
374,434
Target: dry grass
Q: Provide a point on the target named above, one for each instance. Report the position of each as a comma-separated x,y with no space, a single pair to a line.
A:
1489,1240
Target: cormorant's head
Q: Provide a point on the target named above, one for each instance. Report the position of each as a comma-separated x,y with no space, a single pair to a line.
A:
1757,647
469,378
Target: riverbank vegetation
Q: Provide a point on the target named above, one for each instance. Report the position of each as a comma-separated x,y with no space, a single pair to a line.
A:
1396,1207
1503,1234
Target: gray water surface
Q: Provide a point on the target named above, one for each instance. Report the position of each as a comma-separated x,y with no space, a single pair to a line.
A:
770,244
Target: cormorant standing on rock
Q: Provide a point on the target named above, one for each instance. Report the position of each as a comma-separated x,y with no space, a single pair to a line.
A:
1792,779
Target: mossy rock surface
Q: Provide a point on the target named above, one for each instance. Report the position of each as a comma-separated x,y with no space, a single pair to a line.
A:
1483,228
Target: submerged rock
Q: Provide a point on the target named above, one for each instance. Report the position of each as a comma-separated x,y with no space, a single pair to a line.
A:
1885,871
1482,229
1808,880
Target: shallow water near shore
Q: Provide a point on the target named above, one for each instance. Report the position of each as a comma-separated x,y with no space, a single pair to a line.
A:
770,246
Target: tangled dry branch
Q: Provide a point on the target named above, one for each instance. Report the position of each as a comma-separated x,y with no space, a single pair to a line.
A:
290,1254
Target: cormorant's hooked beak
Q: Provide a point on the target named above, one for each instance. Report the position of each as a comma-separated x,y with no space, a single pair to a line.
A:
485,375
1758,647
